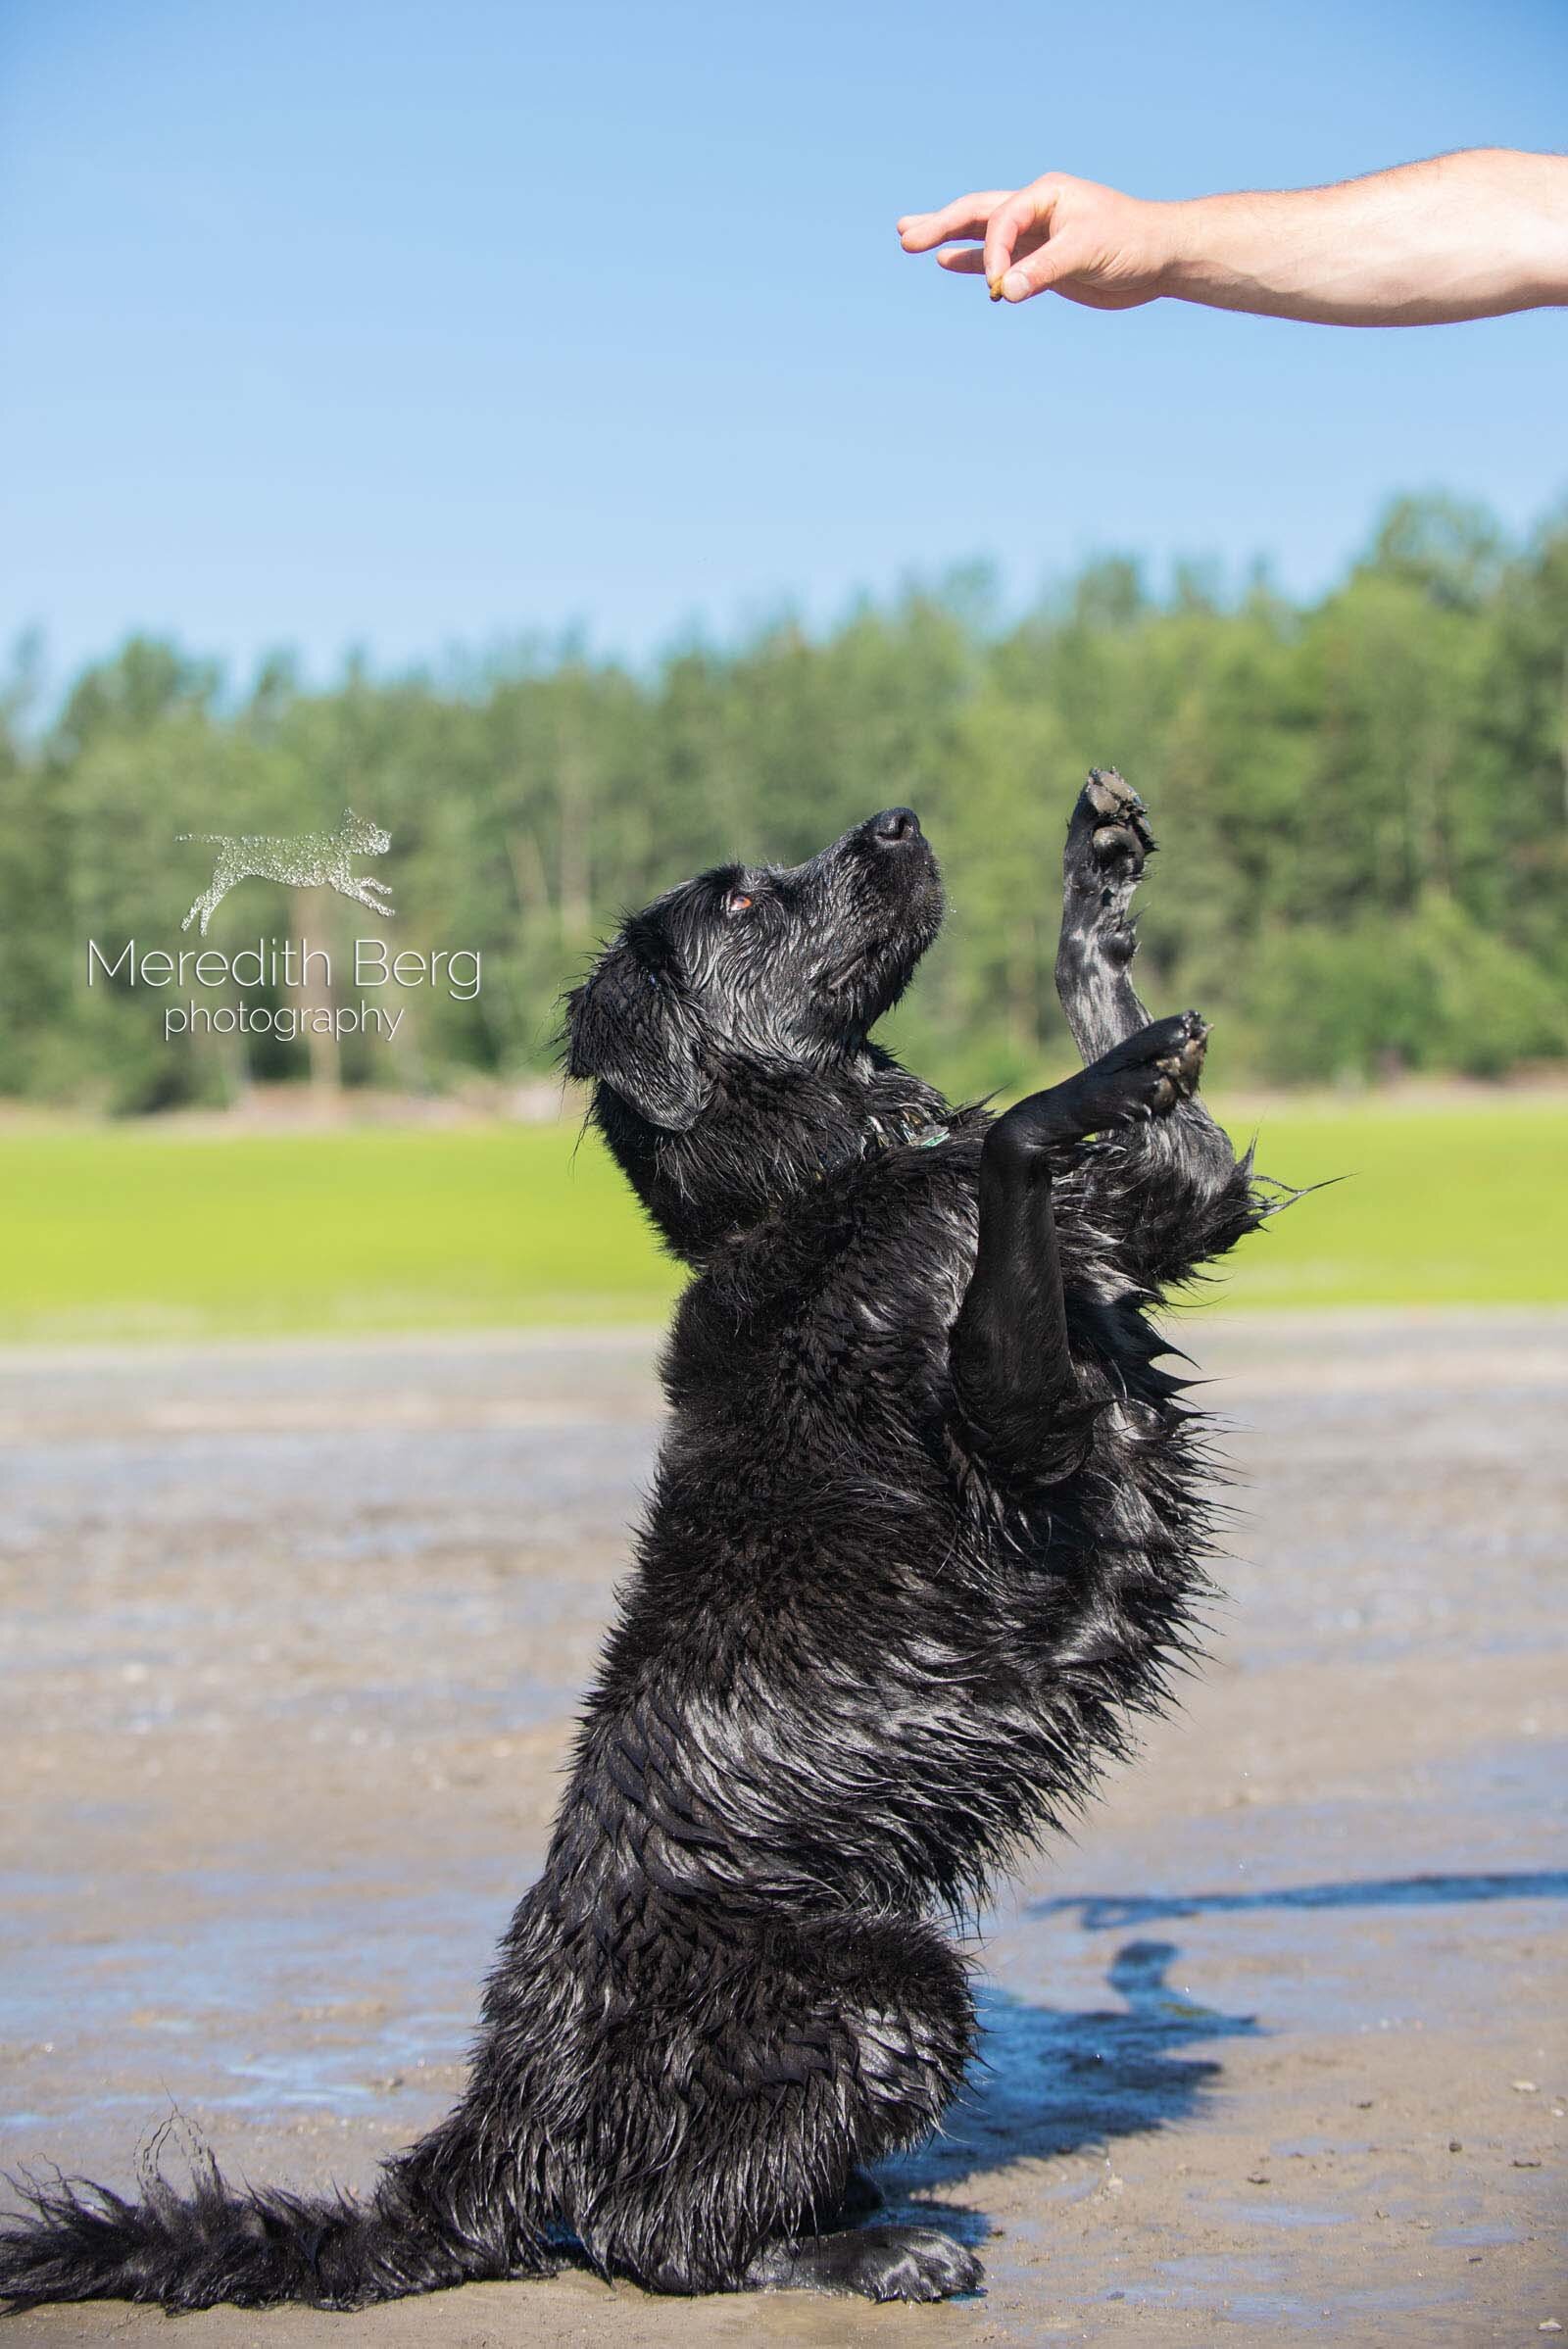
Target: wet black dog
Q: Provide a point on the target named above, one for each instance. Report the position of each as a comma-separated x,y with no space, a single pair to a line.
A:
925,1532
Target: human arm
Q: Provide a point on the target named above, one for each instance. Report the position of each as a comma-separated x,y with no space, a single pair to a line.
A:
1463,236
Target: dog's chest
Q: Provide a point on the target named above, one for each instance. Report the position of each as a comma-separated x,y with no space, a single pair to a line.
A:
850,1339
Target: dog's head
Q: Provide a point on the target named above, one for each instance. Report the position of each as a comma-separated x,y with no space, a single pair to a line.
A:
363,837
759,968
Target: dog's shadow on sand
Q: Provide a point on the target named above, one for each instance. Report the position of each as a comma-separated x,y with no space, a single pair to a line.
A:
1058,2079
1061,2080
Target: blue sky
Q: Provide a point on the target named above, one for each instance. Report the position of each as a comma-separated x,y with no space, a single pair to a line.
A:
399,327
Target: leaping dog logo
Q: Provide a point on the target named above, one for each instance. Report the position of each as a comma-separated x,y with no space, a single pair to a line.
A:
313,861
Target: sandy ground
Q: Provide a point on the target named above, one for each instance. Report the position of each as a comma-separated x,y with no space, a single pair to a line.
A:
1275,2048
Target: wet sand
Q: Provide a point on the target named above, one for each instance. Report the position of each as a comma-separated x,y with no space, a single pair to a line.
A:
1274,2047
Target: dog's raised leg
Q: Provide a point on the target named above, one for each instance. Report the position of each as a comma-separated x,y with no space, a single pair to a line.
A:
1011,1365
1183,1195
1109,842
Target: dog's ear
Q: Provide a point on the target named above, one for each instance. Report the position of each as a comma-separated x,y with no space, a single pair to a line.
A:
625,1027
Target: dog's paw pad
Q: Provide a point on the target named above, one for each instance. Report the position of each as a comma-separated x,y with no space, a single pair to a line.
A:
1109,837
1181,1062
1112,798
1161,1064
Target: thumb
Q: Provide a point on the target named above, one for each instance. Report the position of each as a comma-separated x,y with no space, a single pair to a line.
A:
1059,257
1026,210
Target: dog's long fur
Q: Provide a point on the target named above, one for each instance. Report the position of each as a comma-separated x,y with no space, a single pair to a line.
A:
925,1536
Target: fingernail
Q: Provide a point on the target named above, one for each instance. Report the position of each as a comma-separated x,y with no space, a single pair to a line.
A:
1014,286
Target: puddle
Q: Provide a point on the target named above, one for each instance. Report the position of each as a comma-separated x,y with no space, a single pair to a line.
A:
1350,1954
1266,2211
231,1993
1366,1892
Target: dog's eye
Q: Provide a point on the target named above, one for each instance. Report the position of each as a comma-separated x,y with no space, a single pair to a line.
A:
739,901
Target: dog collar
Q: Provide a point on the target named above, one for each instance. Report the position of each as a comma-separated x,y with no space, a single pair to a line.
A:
909,1130
914,1132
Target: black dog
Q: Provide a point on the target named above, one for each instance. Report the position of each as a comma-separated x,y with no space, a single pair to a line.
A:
925,1532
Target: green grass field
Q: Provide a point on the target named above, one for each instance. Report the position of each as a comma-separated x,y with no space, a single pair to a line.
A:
125,1233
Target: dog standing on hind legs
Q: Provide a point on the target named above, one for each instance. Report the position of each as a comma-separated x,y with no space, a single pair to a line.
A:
925,1536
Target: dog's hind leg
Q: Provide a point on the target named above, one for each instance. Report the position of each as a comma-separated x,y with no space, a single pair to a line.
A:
726,2130
1174,1192
881,2263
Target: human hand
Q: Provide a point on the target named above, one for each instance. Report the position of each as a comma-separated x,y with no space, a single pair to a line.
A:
1058,235
1472,235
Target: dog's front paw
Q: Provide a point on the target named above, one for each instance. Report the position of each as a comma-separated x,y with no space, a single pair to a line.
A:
1181,1062
1164,1062
1109,836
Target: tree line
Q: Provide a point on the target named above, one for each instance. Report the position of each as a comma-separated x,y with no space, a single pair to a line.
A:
1362,805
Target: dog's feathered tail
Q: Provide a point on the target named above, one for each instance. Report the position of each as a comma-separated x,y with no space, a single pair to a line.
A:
417,2232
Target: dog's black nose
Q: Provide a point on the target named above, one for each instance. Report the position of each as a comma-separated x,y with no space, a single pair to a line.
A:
894,826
